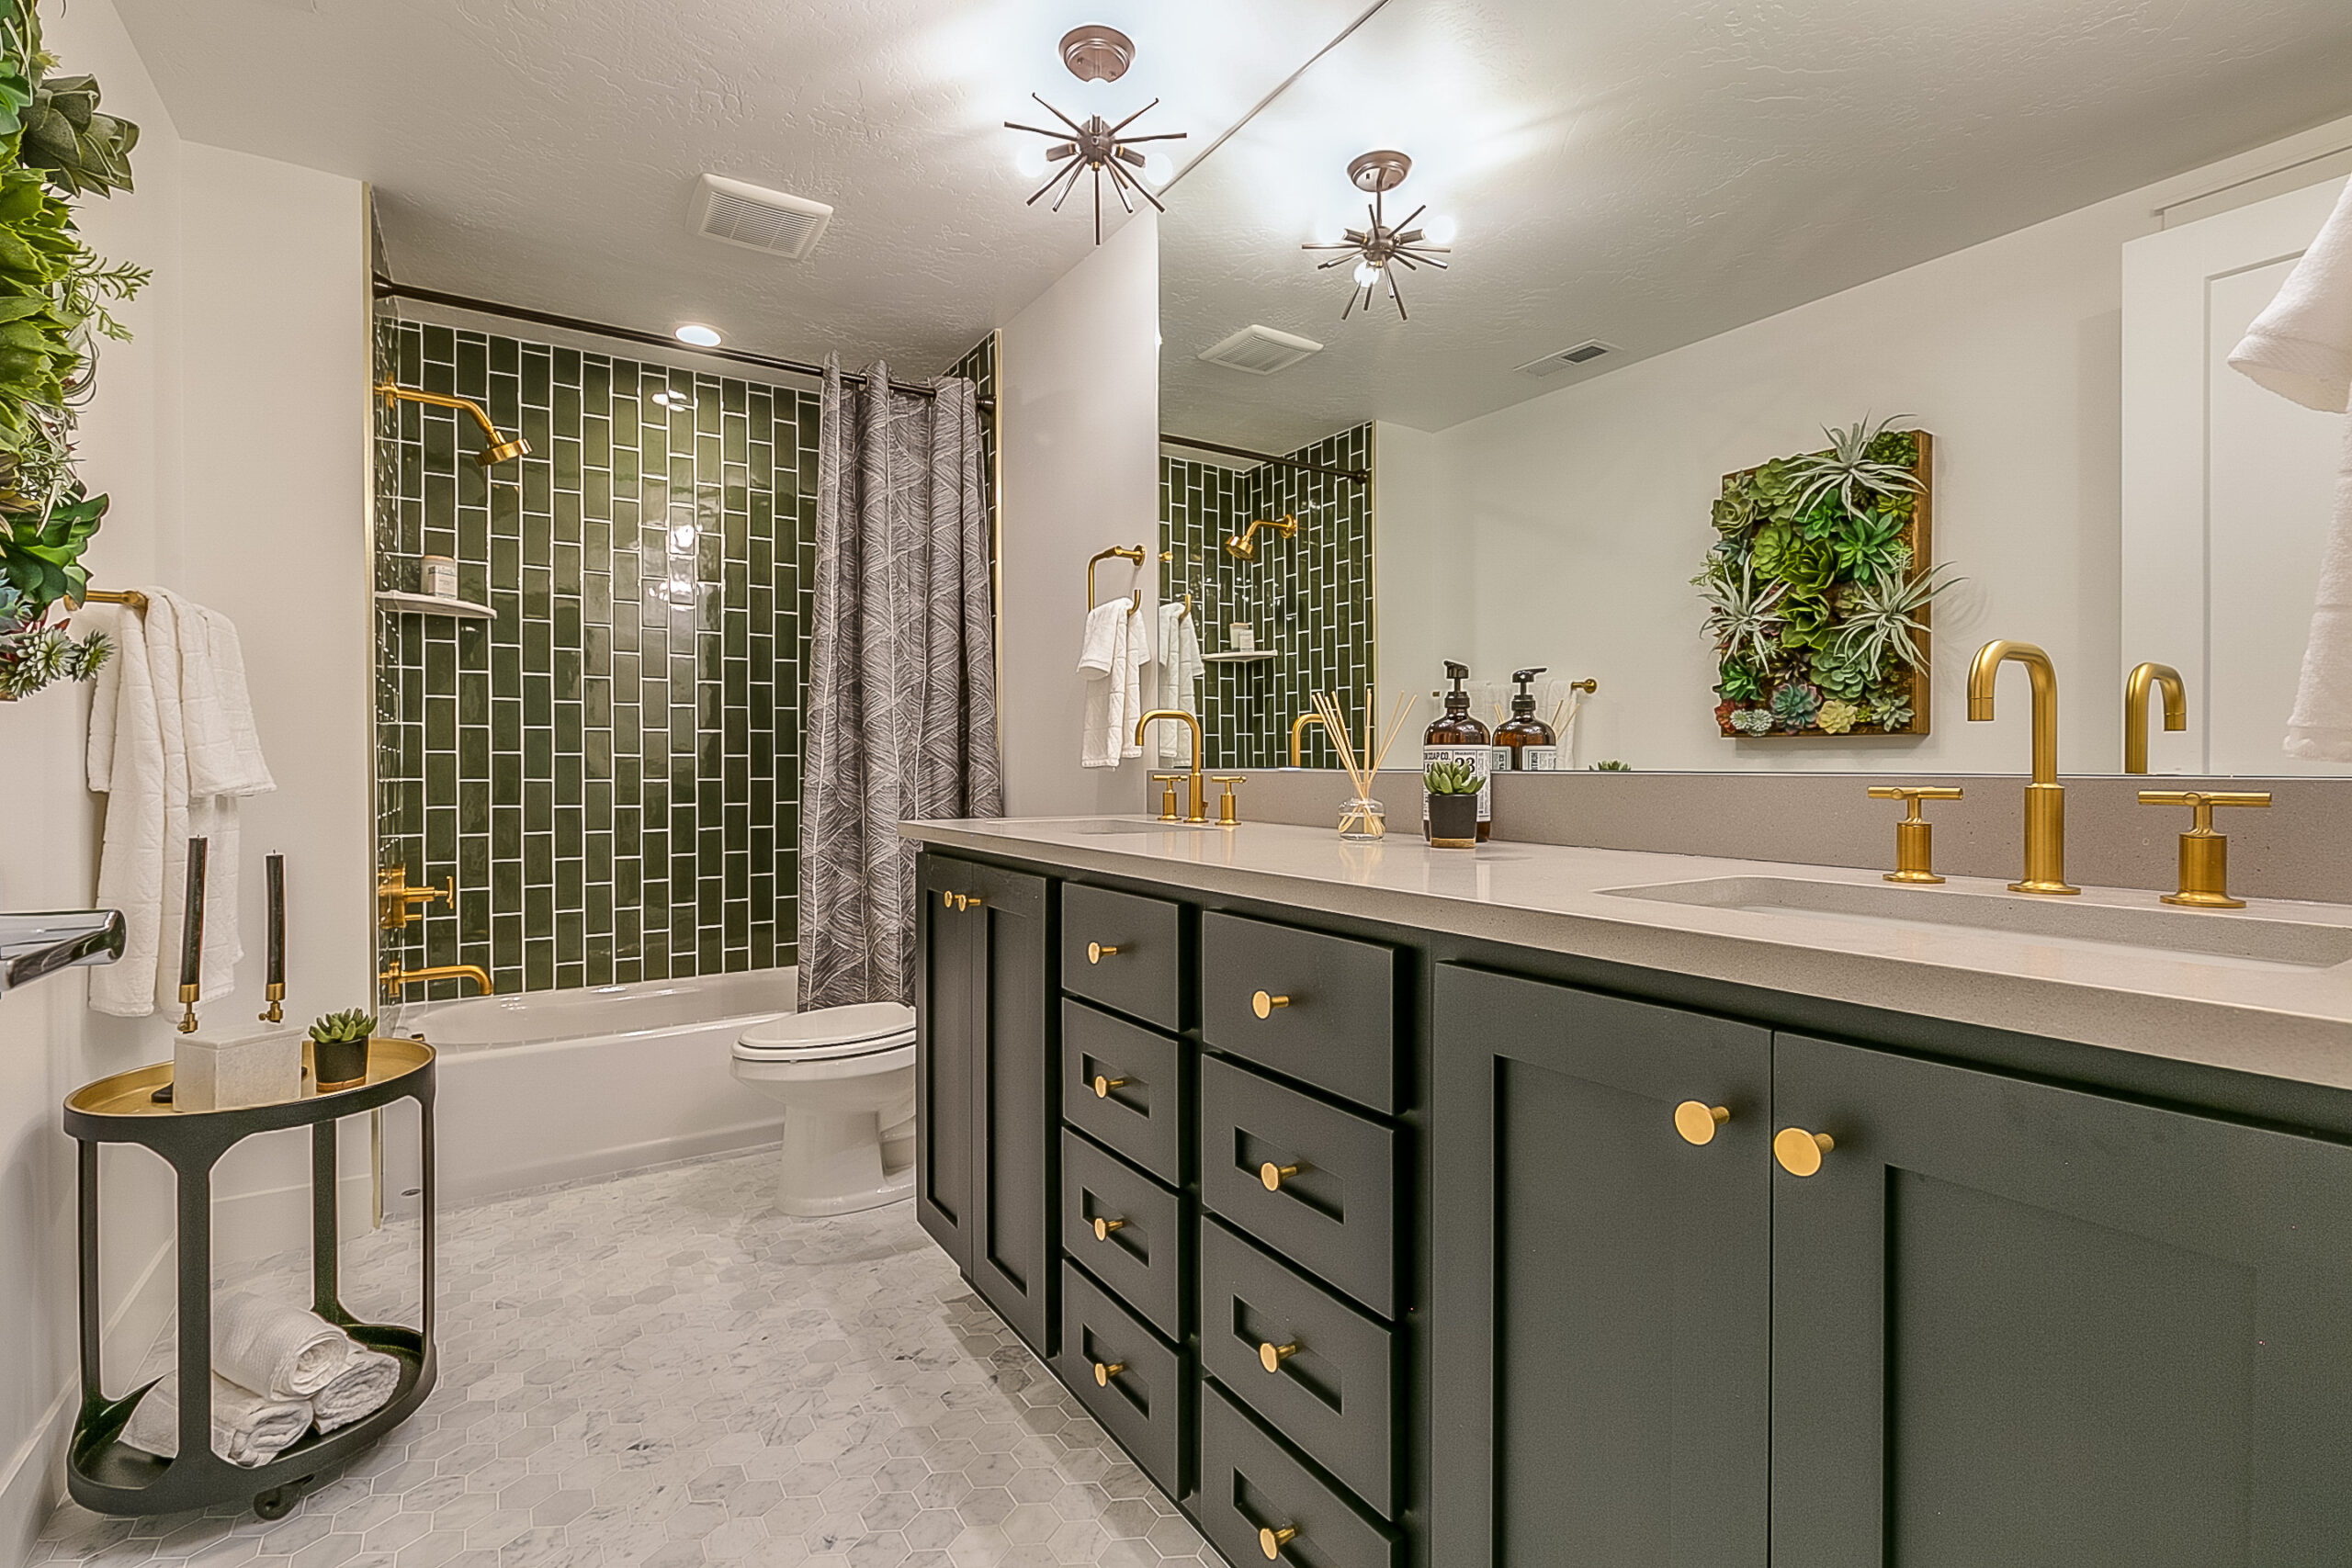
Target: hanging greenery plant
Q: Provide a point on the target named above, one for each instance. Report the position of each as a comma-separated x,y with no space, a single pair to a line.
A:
56,296
1816,591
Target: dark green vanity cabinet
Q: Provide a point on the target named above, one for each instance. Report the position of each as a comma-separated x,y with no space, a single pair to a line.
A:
985,1146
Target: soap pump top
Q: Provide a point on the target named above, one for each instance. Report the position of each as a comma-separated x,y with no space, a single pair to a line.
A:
1523,702
1456,727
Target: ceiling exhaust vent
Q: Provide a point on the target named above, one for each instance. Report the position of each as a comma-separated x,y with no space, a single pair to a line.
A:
1260,351
758,220
1575,358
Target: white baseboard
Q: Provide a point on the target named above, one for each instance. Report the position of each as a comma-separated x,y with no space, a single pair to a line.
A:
32,1480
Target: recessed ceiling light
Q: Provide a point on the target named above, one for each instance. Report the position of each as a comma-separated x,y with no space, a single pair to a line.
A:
700,336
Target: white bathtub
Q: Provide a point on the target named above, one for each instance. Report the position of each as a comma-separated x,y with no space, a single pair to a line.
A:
555,1086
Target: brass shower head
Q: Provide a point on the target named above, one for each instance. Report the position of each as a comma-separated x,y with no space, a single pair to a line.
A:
499,449
1244,545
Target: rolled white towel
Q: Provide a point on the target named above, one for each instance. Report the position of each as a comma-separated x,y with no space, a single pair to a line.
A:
366,1385
273,1349
247,1428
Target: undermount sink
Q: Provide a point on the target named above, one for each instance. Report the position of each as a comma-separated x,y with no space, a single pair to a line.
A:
2227,937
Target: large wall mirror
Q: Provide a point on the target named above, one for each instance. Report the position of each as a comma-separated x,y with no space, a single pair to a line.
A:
1639,317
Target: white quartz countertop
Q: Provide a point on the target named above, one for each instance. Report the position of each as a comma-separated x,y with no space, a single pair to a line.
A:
2285,1020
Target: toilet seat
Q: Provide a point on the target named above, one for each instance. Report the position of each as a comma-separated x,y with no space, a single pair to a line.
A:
829,1034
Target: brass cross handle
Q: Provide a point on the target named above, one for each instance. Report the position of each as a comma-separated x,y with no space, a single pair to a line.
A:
1914,835
2204,854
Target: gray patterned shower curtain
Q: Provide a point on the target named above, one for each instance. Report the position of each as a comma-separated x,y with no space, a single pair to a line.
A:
903,673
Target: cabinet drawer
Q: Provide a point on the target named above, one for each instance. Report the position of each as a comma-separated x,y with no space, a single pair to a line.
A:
1127,1230
1136,1113
1137,1387
1331,1389
1144,977
1330,1018
1331,1206
1250,1490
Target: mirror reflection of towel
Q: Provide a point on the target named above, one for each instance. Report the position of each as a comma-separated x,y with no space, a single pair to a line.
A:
1180,669
2300,347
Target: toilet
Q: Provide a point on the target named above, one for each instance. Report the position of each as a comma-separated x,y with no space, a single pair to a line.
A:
846,1079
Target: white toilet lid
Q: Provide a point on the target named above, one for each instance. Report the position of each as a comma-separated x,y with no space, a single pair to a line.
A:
829,1033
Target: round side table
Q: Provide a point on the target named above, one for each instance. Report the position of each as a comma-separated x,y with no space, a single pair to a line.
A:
107,1474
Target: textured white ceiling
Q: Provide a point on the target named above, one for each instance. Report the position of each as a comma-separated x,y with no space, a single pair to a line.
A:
1654,174
542,152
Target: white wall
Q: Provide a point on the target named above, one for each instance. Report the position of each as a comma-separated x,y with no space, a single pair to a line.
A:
1582,514
1079,459
231,434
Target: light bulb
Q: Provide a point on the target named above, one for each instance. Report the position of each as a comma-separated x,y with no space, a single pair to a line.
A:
698,335
1029,160
1158,168
1366,275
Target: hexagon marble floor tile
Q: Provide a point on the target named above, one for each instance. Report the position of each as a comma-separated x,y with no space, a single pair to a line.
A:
659,1369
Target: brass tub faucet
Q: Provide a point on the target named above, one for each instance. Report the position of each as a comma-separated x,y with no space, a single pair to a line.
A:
2046,797
395,977
2135,710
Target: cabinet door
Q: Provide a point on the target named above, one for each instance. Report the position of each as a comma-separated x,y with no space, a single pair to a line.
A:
1015,1167
946,943
1602,1293
2022,1325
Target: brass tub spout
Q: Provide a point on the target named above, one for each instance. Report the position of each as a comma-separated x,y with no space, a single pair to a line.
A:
395,977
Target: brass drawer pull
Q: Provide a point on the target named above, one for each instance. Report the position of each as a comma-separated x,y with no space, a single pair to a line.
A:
1096,952
1697,1120
1105,1371
1272,1542
1271,1176
965,901
1263,1005
1103,1086
946,899
1102,1228
1799,1151
1272,1356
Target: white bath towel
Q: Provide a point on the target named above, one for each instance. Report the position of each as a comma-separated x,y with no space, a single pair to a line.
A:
274,1347
1134,659
2300,347
1112,659
248,1429
172,746
364,1385
1179,668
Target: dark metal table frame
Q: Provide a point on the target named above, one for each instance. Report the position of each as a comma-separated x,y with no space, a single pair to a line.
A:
108,1475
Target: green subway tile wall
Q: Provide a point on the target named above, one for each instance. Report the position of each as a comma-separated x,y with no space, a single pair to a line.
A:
609,770
1309,598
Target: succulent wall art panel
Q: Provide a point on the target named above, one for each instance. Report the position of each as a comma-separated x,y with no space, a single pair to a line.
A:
1819,589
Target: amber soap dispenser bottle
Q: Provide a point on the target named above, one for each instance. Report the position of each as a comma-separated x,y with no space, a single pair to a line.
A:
1458,737
1527,739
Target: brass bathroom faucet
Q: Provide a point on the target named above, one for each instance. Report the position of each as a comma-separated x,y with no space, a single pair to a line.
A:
395,977
2135,710
1200,795
2046,797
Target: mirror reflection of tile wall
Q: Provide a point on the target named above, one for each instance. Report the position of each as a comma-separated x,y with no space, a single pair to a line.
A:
609,769
1309,598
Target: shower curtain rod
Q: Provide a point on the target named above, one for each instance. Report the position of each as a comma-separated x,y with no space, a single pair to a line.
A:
1353,476
388,289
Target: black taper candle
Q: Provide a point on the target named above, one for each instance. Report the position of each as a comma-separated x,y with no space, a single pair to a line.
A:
192,922
276,871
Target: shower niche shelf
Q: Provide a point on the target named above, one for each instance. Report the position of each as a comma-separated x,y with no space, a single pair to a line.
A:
1256,655
426,604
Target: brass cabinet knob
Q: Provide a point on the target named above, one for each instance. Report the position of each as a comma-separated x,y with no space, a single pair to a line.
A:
1697,1120
946,899
2204,854
1263,1005
1103,1086
1104,1227
1096,952
1799,1151
1272,1542
1272,1356
1105,1371
1914,858
1271,1176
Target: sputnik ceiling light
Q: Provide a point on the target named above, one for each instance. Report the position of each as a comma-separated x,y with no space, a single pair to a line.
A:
1095,53
1380,250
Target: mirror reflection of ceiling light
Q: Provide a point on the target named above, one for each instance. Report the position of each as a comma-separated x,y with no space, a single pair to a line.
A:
1097,53
698,335
1378,251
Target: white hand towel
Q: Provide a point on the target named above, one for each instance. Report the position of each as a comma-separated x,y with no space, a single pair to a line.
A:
1103,661
2300,347
1136,658
366,1385
247,1428
275,1349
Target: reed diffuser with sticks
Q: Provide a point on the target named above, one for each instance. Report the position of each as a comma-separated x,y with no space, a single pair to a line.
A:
1363,819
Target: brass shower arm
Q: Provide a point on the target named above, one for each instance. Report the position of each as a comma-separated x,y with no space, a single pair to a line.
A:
498,450
1245,545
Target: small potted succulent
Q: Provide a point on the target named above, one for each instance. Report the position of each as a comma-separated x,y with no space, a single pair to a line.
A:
339,1047
1452,787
